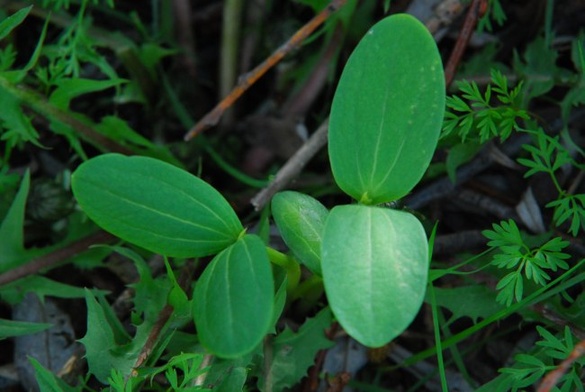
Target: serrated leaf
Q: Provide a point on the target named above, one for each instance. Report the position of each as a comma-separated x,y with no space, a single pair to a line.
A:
387,111
19,128
375,269
67,89
300,220
150,295
234,299
292,353
468,301
100,343
155,205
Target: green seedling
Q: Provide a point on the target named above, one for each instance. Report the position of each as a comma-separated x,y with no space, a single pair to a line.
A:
373,261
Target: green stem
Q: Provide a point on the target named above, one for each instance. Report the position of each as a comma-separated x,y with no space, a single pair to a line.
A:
538,296
440,362
290,265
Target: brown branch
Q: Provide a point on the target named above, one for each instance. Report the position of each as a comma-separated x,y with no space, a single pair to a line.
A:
161,322
55,257
476,10
552,378
247,80
293,166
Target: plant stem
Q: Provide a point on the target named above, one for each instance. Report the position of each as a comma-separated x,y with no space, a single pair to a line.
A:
291,266
538,296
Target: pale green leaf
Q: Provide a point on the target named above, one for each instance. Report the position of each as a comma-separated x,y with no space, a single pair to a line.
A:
375,270
300,220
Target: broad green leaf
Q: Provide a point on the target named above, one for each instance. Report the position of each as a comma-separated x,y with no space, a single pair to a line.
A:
375,268
292,353
234,299
10,23
300,220
387,111
155,205
10,328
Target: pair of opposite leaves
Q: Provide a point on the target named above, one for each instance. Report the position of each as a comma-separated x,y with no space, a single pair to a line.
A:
384,126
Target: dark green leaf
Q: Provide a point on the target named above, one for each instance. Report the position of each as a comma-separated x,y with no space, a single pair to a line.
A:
10,328
100,343
68,89
387,111
48,381
10,23
234,299
155,205
468,301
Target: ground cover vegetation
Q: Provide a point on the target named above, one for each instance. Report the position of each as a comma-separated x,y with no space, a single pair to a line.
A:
434,244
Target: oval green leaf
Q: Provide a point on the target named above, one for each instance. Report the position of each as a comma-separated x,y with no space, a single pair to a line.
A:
233,299
155,205
300,220
387,111
375,269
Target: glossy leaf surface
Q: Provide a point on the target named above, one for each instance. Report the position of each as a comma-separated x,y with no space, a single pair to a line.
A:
375,268
387,111
300,220
234,299
155,205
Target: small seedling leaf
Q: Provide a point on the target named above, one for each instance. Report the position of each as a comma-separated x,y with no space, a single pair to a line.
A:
375,269
234,299
300,219
387,111
155,205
